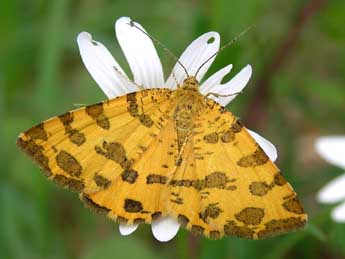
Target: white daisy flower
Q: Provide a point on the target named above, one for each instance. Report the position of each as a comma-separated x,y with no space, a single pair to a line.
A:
332,149
147,71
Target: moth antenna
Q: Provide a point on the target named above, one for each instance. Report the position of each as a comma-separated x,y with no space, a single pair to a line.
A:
132,24
225,46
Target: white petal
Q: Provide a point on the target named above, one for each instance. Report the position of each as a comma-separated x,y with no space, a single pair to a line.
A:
333,191
193,57
267,146
215,79
126,230
140,54
332,149
235,85
100,64
338,214
165,228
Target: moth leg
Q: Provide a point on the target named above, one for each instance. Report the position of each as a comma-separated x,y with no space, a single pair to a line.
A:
222,95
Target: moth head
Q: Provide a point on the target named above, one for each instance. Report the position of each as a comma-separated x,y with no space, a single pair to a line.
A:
190,83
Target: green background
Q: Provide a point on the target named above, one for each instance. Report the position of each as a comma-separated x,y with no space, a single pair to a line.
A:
297,93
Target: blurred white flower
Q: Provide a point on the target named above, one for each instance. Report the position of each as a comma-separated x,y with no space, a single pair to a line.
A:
332,149
147,71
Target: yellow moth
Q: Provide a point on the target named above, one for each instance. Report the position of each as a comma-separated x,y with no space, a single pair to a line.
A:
163,152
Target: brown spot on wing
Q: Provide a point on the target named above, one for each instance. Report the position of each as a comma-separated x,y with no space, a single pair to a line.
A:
133,109
293,205
101,181
217,180
197,230
156,215
156,178
68,163
66,119
177,200
132,206
222,109
178,161
96,112
94,206
74,185
232,229
132,104
211,211
121,220
131,97
278,226
279,179
146,120
129,175
183,220
74,135
138,221
114,151
250,215
237,126
259,188
36,152
228,136
211,138
38,132
257,158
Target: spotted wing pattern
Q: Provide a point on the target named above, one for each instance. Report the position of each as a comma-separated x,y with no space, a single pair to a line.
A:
110,153
127,161
226,184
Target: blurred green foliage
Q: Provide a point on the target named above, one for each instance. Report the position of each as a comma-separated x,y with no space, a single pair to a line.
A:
41,75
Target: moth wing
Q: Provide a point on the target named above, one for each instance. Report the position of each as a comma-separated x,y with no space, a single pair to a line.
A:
140,196
227,185
108,151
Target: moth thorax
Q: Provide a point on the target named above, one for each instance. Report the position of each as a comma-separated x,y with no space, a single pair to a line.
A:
184,115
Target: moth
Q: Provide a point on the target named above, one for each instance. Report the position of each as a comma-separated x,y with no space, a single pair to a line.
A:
162,152
159,152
